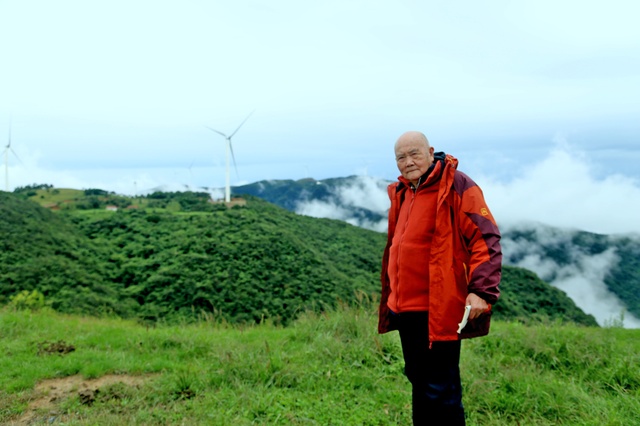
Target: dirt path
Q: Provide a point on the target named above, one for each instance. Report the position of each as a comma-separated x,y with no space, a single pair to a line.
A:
49,392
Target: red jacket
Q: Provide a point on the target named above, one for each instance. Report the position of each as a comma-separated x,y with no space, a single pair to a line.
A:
465,254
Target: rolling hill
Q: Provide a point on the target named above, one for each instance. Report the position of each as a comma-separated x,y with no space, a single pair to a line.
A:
178,261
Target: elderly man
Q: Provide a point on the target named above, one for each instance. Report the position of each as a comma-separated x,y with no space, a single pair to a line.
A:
441,268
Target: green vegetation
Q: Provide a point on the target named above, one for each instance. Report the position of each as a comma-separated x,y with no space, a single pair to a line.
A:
242,264
66,199
99,199
625,279
245,264
527,298
323,369
27,300
183,201
567,248
43,251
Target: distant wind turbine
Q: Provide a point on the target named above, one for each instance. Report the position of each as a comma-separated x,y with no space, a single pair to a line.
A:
229,150
6,159
191,176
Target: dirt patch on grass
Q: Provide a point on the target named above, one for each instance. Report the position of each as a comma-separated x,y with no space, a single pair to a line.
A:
49,393
60,347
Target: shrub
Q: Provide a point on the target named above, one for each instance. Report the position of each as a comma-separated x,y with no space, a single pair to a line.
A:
27,300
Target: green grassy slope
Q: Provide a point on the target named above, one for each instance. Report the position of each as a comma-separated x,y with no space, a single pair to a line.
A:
324,369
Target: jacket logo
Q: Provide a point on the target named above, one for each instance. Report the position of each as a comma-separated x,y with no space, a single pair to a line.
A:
484,212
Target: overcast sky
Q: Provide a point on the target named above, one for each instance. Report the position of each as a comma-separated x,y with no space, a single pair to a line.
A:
533,97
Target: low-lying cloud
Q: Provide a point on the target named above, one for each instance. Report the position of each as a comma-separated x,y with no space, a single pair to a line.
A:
362,192
581,275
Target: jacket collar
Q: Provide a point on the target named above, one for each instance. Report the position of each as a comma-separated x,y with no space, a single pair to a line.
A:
432,175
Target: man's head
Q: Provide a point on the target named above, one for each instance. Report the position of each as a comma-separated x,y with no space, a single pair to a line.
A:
414,155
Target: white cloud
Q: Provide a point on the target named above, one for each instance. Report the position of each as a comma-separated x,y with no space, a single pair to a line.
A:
362,192
329,210
367,193
561,190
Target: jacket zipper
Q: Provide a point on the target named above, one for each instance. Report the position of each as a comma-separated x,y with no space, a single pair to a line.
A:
413,197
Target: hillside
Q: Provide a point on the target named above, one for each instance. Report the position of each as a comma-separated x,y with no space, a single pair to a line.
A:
45,251
606,262
243,264
240,264
617,258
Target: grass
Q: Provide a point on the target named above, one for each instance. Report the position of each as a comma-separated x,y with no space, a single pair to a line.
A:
325,369
56,196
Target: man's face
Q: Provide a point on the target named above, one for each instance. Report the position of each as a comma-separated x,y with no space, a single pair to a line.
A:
413,158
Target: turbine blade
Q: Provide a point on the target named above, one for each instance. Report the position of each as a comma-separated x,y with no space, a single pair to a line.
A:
214,130
9,144
15,155
242,123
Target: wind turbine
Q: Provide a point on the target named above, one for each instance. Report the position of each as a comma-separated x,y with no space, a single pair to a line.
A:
191,177
6,159
229,150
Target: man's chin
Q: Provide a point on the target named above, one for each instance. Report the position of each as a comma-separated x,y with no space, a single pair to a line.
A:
415,175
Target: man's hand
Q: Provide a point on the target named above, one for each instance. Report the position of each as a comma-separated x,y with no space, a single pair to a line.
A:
478,305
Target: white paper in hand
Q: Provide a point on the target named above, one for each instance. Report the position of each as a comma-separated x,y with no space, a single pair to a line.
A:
465,318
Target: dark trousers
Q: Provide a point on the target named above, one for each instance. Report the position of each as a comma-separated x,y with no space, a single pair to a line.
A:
434,372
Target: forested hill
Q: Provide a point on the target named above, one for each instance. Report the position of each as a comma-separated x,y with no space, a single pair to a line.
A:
246,263
46,251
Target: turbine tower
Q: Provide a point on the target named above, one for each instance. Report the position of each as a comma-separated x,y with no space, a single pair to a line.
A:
229,150
6,159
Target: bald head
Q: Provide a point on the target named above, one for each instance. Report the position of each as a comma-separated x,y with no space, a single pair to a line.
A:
414,155
413,137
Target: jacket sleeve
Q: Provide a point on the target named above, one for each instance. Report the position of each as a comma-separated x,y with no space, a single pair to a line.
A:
481,237
384,318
